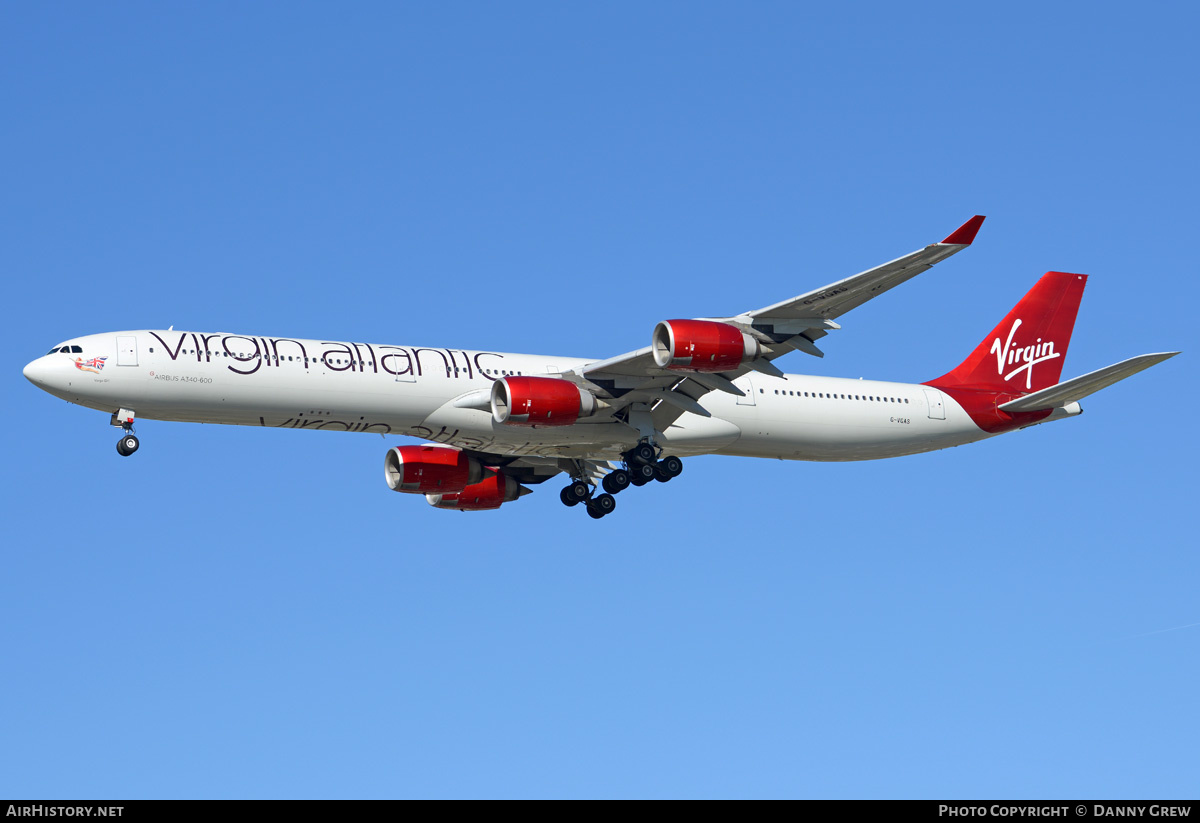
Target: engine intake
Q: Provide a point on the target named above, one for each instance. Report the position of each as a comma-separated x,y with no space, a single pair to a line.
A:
701,345
426,469
540,401
488,494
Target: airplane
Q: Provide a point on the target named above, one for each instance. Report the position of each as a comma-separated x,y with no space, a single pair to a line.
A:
496,424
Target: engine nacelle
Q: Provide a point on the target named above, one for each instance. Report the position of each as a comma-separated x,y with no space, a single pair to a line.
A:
425,469
540,401
701,345
488,494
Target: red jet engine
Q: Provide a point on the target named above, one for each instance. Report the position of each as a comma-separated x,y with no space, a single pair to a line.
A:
488,494
430,469
540,401
701,345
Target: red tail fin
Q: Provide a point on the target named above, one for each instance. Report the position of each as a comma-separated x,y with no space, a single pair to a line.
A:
1026,351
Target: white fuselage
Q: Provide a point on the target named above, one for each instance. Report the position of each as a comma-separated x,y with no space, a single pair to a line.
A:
311,384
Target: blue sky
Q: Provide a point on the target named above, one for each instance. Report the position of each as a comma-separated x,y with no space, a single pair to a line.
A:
248,613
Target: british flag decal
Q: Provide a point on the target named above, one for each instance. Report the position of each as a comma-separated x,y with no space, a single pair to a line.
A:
93,365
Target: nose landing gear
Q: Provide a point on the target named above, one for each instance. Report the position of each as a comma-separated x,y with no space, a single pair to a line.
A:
128,443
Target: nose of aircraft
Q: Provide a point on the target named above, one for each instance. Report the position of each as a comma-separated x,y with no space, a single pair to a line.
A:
38,372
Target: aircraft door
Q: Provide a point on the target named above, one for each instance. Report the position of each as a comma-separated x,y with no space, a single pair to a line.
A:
937,410
127,350
747,386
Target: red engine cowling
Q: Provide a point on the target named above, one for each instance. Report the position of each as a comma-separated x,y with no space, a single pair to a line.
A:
701,345
425,469
539,401
488,494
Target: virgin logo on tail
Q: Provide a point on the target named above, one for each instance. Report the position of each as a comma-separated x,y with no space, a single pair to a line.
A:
1026,356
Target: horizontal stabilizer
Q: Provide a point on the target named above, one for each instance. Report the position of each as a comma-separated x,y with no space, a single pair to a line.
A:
1080,387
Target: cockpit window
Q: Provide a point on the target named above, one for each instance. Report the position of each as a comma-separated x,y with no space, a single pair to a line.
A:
76,350
66,350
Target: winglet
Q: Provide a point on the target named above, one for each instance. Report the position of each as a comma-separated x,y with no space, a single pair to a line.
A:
964,235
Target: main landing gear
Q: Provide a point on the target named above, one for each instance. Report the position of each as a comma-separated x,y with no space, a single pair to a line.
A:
641,467
581,492
645,466
128,443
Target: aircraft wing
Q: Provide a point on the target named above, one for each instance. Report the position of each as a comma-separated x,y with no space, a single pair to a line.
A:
838,298
791,325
